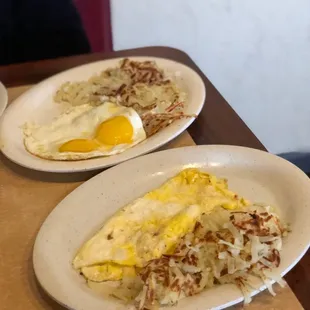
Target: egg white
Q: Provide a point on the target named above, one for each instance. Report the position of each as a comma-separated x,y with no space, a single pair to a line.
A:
80,123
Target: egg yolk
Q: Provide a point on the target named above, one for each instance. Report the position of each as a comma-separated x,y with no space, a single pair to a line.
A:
79,145
114,131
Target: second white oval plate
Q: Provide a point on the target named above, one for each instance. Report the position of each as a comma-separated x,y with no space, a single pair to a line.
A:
257,175
37,105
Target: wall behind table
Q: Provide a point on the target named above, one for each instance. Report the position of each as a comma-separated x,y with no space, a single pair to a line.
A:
256,52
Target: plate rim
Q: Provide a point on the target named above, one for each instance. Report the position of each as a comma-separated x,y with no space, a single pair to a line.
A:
100,175
187,122
6,98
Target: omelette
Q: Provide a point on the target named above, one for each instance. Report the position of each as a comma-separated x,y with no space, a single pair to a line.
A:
153,225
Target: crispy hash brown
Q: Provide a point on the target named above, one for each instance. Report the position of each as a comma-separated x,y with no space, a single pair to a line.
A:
141,85
247,245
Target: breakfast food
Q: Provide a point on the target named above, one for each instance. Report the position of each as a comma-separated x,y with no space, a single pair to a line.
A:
224,247
109,113
188,235
153,224
86,131
137,83
141,85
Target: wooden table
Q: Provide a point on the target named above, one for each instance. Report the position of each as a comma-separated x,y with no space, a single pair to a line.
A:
27,197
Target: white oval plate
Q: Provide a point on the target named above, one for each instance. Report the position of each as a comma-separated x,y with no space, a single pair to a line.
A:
3,98
257,175
37,105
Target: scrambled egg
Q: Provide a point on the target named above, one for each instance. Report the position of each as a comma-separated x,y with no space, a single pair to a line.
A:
153,225
108,272
194,187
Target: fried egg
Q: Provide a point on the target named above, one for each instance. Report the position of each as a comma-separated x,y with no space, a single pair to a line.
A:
85,132
153,225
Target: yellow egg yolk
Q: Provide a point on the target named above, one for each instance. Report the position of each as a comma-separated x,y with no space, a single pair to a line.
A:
114,131
79,145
